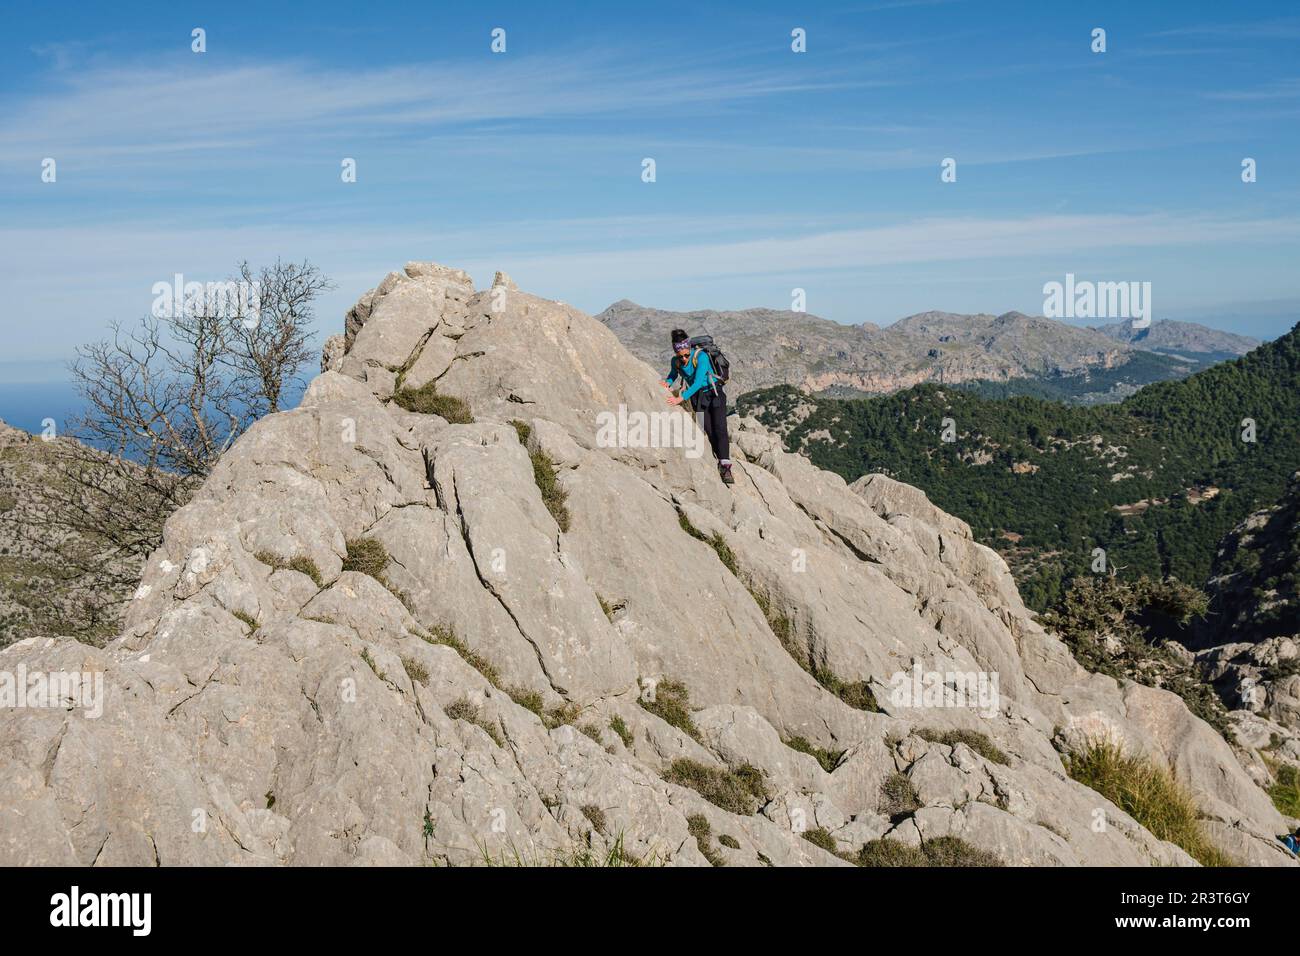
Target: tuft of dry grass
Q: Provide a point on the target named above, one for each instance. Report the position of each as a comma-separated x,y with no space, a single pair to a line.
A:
447,637
426,401
943,851
300,563
620,727
672,705
415,670
462,709
973,739
698,826
898,797
741,790
829,759
367,556
1149,793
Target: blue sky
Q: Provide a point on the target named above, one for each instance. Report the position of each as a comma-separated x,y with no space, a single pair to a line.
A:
775,170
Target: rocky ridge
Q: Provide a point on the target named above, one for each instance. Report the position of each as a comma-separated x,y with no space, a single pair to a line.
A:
773,347
1179,338
490,689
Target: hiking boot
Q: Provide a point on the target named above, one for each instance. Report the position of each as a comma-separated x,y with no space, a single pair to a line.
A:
725,471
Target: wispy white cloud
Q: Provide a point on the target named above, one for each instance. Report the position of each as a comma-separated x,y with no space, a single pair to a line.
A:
932,240
185,106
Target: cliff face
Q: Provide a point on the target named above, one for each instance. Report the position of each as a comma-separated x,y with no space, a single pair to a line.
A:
772,347
378,637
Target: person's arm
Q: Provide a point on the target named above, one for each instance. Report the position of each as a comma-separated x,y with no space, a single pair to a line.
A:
703,375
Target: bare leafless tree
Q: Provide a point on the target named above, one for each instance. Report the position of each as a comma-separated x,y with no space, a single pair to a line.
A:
269,348
163,401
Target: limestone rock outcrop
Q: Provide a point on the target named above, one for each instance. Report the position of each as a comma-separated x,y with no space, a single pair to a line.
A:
375,637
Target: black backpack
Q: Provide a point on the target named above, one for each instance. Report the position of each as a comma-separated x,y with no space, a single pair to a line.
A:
721,367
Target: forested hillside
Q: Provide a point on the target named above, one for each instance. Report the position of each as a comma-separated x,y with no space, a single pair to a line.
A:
1154,481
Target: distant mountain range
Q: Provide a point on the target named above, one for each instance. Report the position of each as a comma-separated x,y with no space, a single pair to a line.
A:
1011,353
1180,338
1156,481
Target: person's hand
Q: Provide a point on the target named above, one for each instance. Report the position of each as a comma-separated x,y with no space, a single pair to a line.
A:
674,399
663,384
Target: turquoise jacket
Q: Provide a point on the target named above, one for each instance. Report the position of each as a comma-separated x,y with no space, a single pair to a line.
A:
696,372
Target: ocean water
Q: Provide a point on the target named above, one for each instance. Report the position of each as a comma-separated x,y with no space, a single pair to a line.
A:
30,405
28,400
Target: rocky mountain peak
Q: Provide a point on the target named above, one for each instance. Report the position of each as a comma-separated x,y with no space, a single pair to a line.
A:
460,602
771,347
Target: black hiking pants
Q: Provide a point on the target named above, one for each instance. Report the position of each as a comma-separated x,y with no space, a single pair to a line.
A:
711,413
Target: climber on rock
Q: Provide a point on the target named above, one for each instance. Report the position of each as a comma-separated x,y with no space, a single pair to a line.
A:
704,390
1292,841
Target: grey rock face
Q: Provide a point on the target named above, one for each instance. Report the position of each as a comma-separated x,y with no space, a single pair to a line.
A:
332,353
495,687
